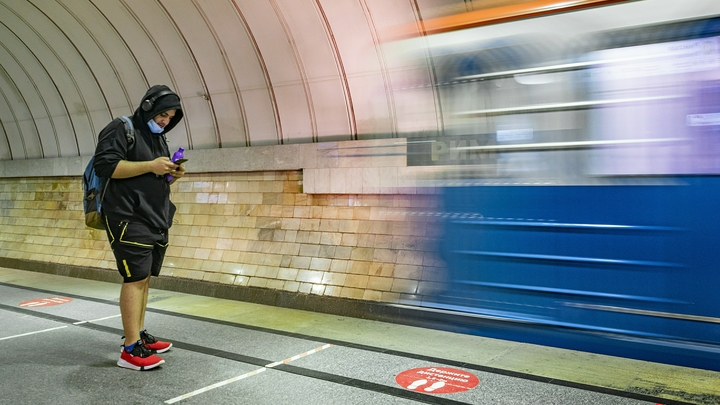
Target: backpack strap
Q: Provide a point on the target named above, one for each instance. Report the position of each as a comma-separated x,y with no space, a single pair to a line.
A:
104,189
129,131
130,136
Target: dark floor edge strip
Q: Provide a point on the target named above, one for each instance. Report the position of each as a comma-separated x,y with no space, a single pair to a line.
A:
367,385
477,367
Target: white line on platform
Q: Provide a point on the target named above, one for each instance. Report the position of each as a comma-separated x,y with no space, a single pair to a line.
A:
59,327
246,375
33,333
216,385
95,320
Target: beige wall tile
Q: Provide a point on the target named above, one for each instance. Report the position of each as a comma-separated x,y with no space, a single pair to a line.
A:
329,225
257,282
330,238
362,254
309,276
195,274
329,212
385,255
310,224
345,213
287,274
404,286
380,283
349,239
292,286
362,268
269,272
342,252
327,251
309,250
290,223
370,295
333,291
348,225
354,293
243,269
290,236
406,271
410,257
317,289
339,266
317,263
334,278
356,281
290,249
242,280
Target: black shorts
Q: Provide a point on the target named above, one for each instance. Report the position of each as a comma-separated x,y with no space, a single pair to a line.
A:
139,250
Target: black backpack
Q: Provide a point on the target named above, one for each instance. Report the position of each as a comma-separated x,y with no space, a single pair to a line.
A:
94,186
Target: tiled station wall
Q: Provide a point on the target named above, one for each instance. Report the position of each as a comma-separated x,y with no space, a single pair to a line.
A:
256,229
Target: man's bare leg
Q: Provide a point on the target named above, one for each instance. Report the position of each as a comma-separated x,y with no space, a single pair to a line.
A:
132,308
141,325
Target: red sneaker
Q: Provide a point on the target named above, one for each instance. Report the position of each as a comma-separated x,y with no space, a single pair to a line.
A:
140,358
154,345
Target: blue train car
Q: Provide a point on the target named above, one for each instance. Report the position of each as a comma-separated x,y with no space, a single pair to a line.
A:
615,269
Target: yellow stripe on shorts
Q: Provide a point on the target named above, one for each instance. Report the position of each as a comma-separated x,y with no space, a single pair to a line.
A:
127,269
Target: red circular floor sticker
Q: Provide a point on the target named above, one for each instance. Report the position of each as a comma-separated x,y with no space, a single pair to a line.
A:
44,302
437,380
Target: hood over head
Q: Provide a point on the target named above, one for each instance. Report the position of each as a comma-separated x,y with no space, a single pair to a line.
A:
158,99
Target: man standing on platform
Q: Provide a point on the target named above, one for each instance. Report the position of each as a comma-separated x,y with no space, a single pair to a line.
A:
138,212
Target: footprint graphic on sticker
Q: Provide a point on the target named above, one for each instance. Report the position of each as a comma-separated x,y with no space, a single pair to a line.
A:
417,384
434,386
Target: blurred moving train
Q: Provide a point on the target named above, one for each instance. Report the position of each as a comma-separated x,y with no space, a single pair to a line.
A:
583,182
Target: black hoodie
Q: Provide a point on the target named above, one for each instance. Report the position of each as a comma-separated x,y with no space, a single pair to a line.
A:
144,198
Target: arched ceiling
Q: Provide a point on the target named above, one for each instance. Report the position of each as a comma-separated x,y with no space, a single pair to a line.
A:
249,72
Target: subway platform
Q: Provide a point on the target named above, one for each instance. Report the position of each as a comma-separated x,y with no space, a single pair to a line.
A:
60,339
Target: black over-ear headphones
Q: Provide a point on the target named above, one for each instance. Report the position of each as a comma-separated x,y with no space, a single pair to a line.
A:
148,103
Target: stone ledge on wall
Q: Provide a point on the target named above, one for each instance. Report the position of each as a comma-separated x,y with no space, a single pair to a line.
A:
55,167
347,167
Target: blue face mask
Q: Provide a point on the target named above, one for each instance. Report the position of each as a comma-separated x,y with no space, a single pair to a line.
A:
154,127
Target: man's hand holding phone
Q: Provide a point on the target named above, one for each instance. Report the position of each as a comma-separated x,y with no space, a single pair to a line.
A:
179,172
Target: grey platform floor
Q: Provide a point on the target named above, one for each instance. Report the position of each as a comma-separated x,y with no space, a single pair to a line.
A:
229,352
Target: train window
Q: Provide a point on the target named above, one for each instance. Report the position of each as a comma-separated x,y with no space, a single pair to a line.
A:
601,105
659,109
